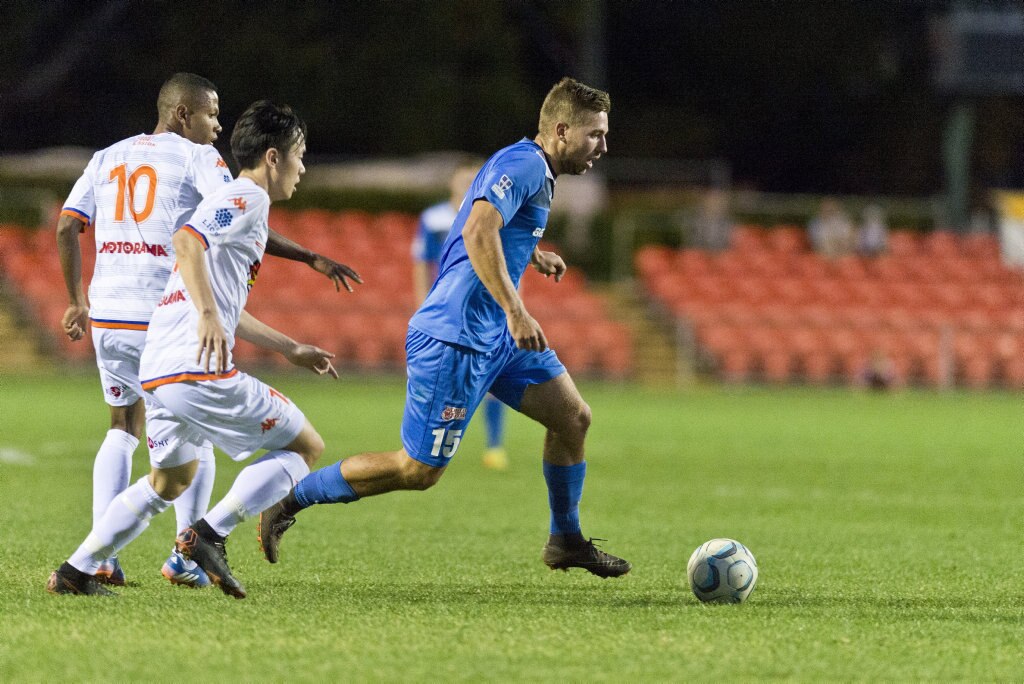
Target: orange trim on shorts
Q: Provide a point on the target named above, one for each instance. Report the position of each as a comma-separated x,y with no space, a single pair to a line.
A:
275,393
118,325
187,377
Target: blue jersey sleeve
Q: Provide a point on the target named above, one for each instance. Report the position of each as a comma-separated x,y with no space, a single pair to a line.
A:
509,181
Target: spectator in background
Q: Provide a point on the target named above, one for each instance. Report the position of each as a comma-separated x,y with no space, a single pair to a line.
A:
712,226
873,234
831,232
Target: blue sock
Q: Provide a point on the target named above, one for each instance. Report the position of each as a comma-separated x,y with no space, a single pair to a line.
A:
494,412
565,489
325,486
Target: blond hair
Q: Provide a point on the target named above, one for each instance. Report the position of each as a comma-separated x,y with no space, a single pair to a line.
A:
568,101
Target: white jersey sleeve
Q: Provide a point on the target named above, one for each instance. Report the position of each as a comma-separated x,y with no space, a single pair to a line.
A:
81,203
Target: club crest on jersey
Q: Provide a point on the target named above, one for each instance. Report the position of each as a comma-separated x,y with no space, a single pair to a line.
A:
268,424
453,413
502,186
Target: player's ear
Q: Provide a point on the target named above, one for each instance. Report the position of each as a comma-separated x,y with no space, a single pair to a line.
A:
560,128
181,113
272,157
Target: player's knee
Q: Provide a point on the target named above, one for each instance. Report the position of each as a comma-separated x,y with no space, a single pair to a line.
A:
580,420
417,475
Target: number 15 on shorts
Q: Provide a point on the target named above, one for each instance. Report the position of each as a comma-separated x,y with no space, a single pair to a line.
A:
448,440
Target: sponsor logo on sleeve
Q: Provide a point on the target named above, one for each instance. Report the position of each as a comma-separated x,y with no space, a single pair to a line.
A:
502,186
254,271
538,232
268,424
239,202
223,218
156,444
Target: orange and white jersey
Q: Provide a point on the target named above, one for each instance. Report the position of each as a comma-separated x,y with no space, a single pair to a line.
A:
134,194
232,225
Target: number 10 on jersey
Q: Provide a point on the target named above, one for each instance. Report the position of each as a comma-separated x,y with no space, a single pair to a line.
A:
449,444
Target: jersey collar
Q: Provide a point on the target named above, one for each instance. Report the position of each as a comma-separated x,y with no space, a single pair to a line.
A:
543,155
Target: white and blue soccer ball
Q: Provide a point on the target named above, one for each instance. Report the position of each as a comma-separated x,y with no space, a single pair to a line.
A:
722,571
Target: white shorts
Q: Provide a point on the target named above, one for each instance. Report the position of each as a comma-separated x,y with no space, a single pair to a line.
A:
240,414
117,356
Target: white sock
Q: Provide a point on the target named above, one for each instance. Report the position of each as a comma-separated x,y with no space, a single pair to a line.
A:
126,518
258,487
194,501
111,470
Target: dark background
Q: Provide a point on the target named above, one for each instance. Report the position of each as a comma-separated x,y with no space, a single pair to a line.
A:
823,97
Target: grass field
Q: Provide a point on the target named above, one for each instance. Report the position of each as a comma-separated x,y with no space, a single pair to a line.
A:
887,529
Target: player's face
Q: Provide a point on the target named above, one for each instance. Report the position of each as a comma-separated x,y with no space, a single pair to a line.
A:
286,173
201,124
584,143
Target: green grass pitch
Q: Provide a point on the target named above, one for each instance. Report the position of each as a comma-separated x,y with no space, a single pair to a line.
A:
887,529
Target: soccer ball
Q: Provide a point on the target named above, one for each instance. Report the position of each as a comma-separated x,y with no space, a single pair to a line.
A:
722,571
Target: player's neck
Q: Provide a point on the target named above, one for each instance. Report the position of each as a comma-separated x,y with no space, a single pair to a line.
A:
548,149
257,176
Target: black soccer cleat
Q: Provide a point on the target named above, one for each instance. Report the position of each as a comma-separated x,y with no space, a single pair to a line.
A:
68,579
274,522
209,553
573,551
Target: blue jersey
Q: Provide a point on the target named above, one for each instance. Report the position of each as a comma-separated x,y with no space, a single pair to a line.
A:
435,224
519,183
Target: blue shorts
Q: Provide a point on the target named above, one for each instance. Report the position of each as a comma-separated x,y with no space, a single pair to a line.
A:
448,381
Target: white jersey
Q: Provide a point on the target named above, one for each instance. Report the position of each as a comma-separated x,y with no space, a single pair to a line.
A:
232,225
135,193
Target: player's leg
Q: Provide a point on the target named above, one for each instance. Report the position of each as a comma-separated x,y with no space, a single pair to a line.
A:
446,384
117,358
495,457
128,515
188,508
538,386
257,417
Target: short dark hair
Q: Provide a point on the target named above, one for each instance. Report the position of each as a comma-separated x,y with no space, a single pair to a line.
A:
182,87
568,100
265,125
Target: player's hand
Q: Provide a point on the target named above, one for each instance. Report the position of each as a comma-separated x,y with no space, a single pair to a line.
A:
526,331
75,320
212,343
548,264
339,273
313,358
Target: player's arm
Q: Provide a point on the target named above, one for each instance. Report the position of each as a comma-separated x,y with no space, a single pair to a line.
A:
548,263
308,356
280,246
420,279
483,246
76,316
190,253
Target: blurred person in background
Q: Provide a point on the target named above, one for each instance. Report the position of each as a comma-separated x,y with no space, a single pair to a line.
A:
712,224
831,231
434,225
473,334
135,194
873,233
